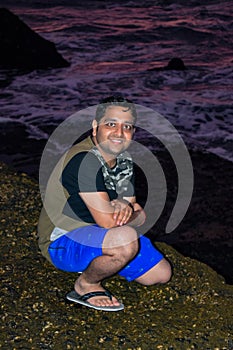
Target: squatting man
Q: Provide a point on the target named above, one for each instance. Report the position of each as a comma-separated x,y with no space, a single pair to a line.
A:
90,219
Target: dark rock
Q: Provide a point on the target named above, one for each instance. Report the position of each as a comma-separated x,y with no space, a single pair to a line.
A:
22,48
193,311
174,64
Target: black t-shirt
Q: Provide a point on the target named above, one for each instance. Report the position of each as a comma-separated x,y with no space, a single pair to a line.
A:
83,173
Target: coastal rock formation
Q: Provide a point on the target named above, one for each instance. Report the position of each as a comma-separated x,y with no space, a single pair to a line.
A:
22,48
193,311
175,63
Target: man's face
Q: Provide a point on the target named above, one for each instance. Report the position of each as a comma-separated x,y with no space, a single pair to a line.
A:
114,132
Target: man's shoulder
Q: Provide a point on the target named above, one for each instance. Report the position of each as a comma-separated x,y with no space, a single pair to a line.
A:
83,146
79,151
81,157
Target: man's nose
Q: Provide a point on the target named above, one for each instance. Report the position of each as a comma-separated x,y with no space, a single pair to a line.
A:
119,130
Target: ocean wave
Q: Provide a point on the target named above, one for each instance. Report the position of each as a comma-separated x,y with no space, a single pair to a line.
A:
113,50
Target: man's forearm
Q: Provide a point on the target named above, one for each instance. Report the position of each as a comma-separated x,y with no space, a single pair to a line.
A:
125,207
137,218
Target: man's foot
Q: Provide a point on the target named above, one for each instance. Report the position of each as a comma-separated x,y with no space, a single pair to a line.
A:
94,295
83,300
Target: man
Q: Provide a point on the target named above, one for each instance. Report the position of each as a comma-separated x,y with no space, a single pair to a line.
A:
94,230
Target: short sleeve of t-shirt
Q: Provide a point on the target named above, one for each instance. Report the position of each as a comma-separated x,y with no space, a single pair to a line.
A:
83,174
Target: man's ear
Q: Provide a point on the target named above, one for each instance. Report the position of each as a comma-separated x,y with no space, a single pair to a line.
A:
94,127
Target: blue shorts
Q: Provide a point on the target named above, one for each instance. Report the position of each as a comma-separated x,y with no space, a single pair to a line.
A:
73,252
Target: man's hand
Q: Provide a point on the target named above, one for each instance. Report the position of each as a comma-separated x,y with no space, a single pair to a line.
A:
103,210
122,211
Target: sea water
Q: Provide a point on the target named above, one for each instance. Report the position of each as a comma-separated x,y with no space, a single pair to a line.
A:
120,46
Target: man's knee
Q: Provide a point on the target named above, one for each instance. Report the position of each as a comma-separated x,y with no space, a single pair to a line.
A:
129,250
120,237
122,242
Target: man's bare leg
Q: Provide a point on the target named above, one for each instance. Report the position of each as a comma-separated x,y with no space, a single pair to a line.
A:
160,273
119,247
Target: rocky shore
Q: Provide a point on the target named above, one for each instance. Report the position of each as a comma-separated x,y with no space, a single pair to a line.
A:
205,232
193,311
24,49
